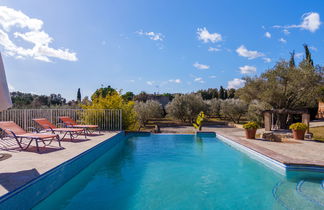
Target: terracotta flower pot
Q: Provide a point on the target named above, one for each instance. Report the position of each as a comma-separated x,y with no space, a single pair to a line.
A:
250,133
299,134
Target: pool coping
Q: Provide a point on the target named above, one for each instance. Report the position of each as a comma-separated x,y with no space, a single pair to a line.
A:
6,197
276,159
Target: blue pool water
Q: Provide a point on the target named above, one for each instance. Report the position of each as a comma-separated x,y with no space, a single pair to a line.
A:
182,172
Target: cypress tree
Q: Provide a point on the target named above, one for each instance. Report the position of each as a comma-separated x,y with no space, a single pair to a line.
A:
79,95
292,60
221,93
308,55
231,93
225,94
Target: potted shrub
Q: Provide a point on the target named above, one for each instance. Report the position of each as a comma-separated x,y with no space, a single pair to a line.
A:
250,129
298,130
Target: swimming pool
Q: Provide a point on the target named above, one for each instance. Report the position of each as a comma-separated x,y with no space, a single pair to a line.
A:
182,172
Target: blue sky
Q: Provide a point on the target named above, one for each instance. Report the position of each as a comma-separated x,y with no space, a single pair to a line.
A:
154,46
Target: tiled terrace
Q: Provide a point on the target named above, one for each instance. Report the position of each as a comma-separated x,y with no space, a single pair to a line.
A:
24,166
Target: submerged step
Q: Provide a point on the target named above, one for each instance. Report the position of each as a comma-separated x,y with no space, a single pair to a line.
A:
287,196
312,190
205,134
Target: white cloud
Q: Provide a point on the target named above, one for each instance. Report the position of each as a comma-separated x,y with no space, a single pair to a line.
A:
267,60
282,40
206,37
14,19
248,69
150,82
310,21
10,17
286,32
268,35
212,76
200,66
151,35
299,55
175,81
244,52
235,83
11,88
313,48
199,80
213,49
131,80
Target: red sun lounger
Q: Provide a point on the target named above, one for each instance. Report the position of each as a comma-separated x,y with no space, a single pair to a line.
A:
15,131
71,123
48,126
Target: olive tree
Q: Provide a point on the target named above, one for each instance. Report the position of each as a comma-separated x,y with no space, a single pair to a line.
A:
147,110
186,107
255,110
214,107
233,109
286,86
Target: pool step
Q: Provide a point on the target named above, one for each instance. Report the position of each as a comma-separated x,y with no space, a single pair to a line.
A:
312,191
303,195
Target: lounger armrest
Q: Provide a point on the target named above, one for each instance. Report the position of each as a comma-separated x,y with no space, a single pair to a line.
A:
49,128
33,129
10,131
68,125
61,125
52,130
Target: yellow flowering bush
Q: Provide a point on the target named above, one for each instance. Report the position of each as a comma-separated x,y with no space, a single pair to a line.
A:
112,101
298,126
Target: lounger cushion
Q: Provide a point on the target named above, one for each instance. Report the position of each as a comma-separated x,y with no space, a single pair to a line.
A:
84,126
44,123
37,135
11,125
68,129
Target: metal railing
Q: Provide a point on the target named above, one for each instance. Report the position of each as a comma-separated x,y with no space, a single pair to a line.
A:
106,119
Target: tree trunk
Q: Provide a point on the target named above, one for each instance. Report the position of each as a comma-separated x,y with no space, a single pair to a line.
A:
281,121
289,120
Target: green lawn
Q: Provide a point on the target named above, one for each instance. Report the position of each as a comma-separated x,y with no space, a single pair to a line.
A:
318,133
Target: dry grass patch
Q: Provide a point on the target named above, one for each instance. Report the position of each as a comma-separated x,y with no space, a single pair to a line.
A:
318,133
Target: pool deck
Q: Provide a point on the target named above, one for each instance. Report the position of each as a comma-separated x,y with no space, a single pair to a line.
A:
23,166
290,152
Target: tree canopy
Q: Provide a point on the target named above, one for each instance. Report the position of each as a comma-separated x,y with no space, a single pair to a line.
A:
103,92
286,86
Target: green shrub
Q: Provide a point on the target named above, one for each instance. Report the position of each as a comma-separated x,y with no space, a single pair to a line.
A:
186,107
113,100
255,111
233,109
214,107
147,110
251,125
298,126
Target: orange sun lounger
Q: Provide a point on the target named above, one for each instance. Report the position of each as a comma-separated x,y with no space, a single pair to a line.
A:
48,126
13,130
71,123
